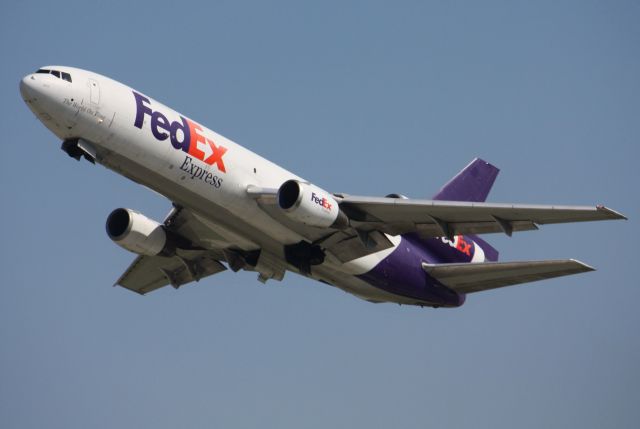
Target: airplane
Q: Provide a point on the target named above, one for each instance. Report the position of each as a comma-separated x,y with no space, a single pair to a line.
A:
232,209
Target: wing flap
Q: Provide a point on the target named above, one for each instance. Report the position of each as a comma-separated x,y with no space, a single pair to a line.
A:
476,277
148,273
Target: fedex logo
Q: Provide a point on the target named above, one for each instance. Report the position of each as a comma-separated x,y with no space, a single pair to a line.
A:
460,244
185,135
320,201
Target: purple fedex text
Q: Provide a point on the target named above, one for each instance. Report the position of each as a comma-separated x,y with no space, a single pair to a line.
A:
320,201
190,138
160,125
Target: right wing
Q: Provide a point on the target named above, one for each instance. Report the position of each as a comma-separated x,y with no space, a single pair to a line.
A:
370,218
476,277
431,218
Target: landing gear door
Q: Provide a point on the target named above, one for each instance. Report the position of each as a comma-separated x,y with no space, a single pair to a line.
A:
94,92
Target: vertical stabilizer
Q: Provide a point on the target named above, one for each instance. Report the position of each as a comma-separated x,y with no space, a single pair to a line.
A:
473,183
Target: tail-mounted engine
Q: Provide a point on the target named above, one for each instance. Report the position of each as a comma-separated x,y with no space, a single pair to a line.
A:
137,233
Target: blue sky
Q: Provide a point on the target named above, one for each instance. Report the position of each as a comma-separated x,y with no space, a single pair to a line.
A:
359,97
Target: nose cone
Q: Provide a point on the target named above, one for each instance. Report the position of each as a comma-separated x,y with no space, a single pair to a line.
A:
28,88
38,97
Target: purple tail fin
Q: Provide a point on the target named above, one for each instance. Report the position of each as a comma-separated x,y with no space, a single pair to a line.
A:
473,183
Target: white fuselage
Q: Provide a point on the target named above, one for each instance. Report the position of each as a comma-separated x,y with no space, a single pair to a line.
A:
211,179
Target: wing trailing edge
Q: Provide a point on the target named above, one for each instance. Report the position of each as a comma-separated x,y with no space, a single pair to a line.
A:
148,273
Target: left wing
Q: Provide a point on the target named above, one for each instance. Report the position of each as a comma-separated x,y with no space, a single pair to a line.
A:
197,259
448,218
476,277
148,273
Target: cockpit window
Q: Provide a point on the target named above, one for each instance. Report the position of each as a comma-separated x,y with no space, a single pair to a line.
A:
56,73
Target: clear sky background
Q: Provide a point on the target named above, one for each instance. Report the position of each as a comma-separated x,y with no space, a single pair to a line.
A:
359,97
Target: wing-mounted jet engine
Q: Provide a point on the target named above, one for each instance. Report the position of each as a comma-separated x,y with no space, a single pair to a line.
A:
165,256
138,234
310,205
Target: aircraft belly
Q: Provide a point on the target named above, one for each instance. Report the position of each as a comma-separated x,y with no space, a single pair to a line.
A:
241,223
361,288
218,196
365,278
236,230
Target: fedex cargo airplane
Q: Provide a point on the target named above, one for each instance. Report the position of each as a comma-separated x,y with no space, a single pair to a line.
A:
234,209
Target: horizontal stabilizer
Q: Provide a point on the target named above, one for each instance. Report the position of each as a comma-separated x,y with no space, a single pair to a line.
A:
476,277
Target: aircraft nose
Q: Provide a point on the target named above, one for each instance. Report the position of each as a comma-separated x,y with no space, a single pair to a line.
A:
27,87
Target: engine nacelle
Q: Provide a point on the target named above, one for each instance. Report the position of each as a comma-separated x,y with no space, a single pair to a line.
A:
136,232
308,204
